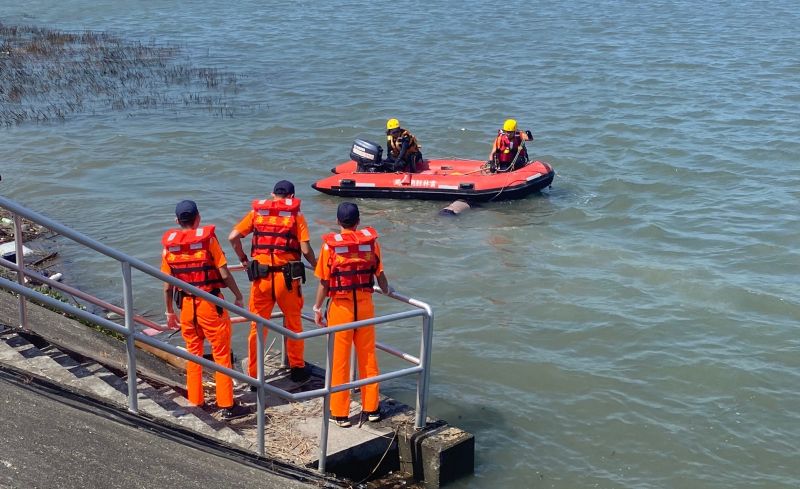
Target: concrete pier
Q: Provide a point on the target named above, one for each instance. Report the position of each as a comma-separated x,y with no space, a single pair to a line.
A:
52,438
58,347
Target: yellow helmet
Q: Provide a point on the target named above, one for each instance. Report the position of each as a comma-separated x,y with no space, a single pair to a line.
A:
510,125
392,124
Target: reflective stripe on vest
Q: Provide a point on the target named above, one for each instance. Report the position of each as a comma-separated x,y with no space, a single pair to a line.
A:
188,254
353,261
275,227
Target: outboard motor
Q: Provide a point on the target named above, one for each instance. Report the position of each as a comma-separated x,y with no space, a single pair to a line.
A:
367,155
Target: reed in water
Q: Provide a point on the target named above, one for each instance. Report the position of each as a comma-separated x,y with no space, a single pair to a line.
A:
48,75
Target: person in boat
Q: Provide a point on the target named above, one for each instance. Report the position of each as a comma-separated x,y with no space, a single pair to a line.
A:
280,236
508,150
402,147
349,263
192,253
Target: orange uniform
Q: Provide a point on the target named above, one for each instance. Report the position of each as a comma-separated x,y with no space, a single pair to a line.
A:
508,150
350,300
266,291
195,256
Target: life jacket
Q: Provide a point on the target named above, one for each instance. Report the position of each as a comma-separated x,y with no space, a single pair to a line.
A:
188,254
395,143
507,147
275,227
353,261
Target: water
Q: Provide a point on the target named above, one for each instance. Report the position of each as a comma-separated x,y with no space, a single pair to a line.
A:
633,327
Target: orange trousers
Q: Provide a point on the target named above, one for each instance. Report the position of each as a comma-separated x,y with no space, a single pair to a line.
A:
200,320
340,311
264,292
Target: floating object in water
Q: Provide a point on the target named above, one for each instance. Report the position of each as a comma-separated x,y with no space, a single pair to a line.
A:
56,276
455,208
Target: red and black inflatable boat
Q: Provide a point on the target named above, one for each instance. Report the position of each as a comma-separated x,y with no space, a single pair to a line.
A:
470,180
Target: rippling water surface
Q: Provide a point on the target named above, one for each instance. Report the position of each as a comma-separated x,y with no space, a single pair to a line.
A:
635,326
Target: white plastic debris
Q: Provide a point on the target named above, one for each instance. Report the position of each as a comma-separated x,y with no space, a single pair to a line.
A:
9,251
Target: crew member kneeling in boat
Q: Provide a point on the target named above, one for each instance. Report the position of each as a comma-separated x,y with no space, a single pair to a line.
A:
508,150
402,147
193,254
280,235
348,264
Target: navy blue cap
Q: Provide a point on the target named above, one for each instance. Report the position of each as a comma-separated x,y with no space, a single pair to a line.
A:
347,213
186,211
284,187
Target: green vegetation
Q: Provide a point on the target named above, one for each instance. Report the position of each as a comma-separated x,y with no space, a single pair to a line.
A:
48,75
63,298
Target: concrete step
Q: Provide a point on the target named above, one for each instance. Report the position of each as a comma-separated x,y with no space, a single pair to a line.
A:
175,409
20,353
91,378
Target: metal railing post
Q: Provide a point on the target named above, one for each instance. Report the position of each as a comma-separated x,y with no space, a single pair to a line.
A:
425,375
353,361
20,260
284,350
326,407
127,290
260,394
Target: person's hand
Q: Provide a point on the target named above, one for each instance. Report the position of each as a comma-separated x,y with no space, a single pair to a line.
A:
318,318
389,290
239,301
172,320
244,261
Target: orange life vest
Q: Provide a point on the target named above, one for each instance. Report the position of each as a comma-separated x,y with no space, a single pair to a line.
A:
275,227
395,143
353,260
507,147
188,254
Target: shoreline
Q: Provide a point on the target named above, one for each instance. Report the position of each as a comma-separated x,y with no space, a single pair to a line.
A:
30,231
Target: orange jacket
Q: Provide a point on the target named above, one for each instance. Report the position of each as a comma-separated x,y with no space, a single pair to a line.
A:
505,147
395,143
353,261
275,227
188,254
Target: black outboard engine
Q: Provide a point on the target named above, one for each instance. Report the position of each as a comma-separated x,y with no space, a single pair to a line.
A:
368,156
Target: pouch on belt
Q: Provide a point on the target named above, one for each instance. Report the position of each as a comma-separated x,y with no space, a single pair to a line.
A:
292,271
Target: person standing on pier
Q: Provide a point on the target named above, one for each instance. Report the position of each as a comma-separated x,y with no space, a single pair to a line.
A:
192,253
348,265
280,236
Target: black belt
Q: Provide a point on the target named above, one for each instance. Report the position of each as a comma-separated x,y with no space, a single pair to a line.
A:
179,295
291,271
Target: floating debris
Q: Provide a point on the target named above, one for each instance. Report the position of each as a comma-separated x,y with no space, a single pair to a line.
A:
30,230
455,208
48,75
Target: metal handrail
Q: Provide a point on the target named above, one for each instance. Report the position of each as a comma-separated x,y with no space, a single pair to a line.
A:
44,279
163,328
422,368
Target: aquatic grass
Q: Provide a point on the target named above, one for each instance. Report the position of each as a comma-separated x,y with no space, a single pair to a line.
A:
49,75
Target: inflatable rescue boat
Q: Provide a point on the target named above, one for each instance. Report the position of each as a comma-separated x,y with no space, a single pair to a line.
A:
367,175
